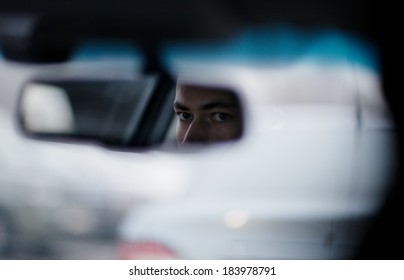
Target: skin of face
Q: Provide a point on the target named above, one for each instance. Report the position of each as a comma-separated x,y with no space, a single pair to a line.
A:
206,115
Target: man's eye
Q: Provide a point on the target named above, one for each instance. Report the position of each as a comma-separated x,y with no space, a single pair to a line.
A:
184,116
221,117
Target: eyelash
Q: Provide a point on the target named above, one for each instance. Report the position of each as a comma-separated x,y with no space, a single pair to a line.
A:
180,115
213,116
226,117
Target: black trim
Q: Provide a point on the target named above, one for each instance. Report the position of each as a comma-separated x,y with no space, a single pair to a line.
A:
156,111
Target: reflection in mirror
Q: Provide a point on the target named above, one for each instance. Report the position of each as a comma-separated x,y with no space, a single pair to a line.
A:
108,111
47,109
206,115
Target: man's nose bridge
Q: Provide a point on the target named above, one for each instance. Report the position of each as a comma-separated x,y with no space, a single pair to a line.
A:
195,131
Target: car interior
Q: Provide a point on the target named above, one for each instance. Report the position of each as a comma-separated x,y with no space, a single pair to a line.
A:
133,92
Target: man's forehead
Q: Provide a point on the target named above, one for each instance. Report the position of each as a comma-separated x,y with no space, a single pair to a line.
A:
187,93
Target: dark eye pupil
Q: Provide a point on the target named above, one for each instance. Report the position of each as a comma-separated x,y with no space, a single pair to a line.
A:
221,116
186,115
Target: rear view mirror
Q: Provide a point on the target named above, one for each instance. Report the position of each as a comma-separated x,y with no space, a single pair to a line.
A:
130,113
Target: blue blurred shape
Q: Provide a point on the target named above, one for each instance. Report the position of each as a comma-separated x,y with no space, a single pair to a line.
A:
107,51
273,46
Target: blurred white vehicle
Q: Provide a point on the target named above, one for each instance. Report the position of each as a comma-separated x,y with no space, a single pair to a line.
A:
304,182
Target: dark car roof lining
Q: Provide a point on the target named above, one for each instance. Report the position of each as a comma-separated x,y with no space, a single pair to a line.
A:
53,27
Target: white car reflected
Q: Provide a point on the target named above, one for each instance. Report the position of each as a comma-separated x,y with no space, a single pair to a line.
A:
304,182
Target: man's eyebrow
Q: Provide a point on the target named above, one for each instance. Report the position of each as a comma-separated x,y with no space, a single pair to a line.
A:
207,106
180,106
217,104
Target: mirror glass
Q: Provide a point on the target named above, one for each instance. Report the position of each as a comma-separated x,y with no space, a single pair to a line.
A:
206,114
121,113
103,110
